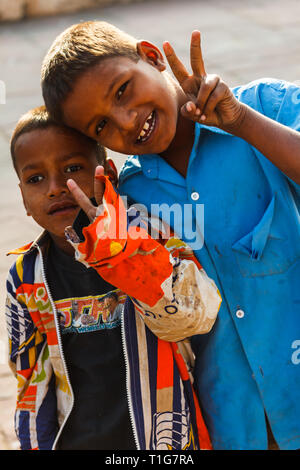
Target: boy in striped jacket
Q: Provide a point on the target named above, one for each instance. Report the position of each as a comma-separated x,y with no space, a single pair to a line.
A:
99,341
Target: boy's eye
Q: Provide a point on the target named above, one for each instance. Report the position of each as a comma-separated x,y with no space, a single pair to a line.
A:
122,89
100,126
35,179
73,168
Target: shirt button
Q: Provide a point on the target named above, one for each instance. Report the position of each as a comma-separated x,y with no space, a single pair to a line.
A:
240,313
195,196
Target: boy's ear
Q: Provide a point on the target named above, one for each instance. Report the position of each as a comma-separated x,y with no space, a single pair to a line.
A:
151,54
111,171
27,212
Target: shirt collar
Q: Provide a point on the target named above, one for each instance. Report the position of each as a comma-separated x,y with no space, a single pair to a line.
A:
155,167
39,241
199,128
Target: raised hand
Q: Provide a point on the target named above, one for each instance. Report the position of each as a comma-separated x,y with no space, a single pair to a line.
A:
209,99
81,198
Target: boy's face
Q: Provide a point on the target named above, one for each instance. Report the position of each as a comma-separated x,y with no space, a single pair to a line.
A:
129,107
46,159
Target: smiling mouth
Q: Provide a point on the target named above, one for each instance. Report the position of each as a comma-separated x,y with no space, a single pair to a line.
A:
147,128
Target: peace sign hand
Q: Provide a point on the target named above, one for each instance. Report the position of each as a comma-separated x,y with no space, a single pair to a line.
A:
82,199
209,99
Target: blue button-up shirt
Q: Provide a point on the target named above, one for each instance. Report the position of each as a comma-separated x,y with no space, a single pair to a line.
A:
249,364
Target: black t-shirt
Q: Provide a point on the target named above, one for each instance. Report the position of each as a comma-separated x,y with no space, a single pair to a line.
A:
89,310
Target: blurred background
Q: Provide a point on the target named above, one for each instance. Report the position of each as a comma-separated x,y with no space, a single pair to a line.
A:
241,41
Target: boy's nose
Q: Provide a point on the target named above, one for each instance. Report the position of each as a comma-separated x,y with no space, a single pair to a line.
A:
126,119
57,186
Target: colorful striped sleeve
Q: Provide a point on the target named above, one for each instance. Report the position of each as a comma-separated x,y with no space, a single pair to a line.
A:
36,408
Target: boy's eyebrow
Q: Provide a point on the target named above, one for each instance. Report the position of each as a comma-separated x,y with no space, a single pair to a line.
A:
68,156
33,166
30,166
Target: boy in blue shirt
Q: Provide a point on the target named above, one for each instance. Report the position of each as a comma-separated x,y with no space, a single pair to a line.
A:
237,152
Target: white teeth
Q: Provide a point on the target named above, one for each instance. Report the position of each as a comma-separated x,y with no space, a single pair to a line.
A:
147,129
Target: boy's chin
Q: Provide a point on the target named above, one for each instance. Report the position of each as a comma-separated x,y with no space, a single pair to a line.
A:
156,148
62,243
58,234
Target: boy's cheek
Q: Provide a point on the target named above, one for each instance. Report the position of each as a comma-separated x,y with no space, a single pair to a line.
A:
85,182
28,212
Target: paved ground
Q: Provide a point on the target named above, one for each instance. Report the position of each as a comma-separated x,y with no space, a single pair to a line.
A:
241,41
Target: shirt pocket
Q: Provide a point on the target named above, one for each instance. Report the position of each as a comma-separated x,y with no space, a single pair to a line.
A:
273,245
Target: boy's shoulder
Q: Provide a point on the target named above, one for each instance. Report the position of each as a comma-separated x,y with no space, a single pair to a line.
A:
264,92
264,83
22,268
22,250
24,265
131,167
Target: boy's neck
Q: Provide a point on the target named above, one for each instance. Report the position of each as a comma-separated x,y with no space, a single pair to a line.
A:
62,244
178,153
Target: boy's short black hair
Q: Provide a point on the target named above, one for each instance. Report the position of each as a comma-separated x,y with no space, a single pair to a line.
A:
76,49
39,118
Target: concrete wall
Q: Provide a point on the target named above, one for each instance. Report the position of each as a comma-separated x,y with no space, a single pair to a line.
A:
14,10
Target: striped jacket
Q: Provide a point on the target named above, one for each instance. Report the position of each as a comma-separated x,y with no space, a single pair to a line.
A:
170,298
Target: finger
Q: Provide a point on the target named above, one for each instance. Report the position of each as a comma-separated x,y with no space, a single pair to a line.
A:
82,199
216,96
189,110
196,58
207,87
176,65
98,184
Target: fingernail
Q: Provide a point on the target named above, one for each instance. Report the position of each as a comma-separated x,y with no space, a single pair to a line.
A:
189,107
198,112
71,184
203,117
99,172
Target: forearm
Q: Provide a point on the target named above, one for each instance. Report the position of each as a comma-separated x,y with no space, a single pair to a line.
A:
278,143
174,295
189,305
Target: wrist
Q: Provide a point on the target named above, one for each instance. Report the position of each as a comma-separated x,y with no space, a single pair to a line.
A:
235,127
